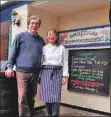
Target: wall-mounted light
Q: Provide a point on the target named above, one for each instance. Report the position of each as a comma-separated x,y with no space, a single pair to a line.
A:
15,18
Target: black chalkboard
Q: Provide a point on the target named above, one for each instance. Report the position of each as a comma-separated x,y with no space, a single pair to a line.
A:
89,70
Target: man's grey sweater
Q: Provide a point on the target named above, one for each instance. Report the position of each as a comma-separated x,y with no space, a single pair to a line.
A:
26,52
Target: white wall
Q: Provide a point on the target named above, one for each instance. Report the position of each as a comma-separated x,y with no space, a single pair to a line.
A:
74,21
48,21
82,20
23,13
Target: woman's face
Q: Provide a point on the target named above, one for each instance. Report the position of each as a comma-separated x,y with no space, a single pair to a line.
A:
51,37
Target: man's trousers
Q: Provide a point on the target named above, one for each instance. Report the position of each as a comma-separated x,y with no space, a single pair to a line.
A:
27,90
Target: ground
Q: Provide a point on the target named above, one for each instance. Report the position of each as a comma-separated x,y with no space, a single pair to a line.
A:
64,111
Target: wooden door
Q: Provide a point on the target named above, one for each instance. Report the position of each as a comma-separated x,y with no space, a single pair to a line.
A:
4,39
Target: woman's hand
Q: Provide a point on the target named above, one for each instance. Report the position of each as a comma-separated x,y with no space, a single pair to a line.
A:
64,80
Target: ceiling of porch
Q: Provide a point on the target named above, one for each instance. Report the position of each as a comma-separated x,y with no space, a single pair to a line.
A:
61,8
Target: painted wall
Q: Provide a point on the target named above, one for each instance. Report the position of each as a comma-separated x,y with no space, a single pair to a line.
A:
74,21
48,21
23,13
82,20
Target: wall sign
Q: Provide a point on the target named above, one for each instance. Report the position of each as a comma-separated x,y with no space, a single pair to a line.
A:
92,36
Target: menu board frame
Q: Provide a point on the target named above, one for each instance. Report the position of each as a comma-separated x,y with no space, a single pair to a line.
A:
103,93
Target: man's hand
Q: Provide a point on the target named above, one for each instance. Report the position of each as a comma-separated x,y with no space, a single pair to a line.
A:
9,73
64,80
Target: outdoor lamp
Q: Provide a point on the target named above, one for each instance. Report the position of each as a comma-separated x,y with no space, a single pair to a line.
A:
14,18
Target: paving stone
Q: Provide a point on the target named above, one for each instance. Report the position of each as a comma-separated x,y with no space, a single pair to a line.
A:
65,111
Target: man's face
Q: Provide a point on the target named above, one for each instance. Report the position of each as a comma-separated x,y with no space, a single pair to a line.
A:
34,26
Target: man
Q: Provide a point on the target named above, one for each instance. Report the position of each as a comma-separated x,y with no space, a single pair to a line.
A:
26,55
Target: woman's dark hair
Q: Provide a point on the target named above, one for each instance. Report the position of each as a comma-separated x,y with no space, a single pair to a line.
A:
57,43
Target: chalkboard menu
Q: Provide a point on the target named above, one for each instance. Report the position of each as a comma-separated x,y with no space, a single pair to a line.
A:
89,70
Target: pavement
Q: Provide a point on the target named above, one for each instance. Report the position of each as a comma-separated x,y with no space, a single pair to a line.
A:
69,112
64,111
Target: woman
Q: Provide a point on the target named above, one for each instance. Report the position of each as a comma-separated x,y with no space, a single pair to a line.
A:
54,73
